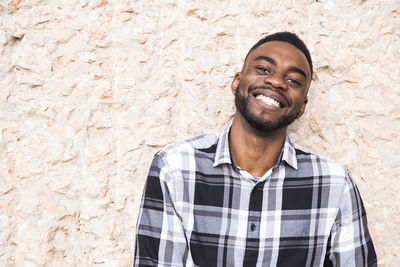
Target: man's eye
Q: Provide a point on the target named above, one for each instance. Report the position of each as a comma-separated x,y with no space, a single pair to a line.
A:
293,81
262,69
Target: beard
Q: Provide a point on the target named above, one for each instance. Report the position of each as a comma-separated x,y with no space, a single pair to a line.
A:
257,121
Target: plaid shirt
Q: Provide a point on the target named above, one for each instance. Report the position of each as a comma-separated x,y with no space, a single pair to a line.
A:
198,209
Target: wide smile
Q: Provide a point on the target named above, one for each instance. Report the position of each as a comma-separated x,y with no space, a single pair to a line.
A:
270,100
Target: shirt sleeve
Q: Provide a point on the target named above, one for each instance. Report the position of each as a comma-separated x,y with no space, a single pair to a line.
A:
350,244
160,237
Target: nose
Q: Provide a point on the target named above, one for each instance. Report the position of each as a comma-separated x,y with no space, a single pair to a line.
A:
276,80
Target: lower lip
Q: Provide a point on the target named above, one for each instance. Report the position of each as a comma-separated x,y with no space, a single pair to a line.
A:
266,106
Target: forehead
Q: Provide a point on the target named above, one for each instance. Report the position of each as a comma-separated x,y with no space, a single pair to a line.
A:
283,53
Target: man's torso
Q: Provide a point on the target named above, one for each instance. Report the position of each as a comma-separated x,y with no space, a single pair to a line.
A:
281,219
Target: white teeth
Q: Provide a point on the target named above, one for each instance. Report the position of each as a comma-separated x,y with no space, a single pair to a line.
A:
269,101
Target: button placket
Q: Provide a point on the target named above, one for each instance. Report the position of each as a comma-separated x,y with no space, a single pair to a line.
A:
254,212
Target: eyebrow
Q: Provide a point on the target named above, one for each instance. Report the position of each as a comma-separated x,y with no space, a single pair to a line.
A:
273,61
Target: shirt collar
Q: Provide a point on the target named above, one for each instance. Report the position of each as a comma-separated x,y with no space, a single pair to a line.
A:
223,155
289,153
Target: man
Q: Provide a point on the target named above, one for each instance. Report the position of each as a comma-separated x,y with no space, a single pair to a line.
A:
249,196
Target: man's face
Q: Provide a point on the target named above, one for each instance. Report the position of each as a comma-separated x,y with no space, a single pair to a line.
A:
271,90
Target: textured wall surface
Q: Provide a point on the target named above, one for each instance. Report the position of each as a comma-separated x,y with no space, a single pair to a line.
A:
91,89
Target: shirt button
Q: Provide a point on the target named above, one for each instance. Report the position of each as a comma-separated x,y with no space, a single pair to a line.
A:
253,227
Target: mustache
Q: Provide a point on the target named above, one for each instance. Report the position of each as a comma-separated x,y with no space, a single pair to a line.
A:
254,87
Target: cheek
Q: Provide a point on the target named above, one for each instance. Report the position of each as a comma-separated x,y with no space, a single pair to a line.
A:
239,90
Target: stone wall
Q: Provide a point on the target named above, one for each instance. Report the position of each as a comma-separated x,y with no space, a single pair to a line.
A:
90,90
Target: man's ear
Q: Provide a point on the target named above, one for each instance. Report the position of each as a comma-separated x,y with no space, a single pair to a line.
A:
303,107
235,82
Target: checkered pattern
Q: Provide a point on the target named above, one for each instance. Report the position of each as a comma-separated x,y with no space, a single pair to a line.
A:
198,209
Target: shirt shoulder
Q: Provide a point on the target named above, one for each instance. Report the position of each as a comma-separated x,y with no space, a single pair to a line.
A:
189,148
307,158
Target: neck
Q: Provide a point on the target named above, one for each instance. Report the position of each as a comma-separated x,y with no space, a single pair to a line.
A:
252,150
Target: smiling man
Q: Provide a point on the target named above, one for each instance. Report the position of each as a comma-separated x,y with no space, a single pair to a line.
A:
249,196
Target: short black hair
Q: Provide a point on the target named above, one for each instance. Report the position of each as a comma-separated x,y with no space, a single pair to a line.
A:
287,37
